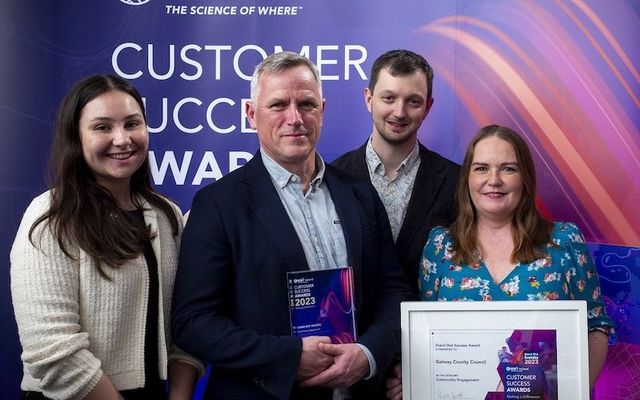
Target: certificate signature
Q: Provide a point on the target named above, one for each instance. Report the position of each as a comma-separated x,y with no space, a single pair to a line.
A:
441,394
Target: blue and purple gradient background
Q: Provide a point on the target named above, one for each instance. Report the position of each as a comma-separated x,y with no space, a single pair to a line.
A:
563,73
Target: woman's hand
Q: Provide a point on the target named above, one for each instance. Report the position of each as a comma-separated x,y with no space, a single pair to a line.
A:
104,390
182,380
598,348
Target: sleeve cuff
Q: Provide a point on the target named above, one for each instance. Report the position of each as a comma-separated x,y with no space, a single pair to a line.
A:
373,369
180,355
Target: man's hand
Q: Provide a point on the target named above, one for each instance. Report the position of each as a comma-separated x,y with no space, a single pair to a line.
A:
350,364
394,383
312,360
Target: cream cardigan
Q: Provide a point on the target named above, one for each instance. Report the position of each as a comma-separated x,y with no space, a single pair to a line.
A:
73,324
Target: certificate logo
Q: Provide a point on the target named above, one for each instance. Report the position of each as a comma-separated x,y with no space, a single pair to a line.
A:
135,2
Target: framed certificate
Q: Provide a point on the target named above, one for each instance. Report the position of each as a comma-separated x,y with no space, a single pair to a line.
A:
509,350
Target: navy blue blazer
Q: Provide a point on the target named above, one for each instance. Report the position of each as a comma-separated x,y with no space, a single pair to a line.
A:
230,299
431,203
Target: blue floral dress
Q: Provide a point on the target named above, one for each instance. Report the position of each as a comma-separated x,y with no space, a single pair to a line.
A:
566,273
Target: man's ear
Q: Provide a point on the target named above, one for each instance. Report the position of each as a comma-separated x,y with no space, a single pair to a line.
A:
368,96
429,105
250,112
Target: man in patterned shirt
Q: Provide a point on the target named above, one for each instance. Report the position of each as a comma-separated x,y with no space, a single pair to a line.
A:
416,185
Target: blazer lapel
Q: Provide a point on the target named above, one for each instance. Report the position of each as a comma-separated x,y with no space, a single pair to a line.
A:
425,188
346,205
265,202
359,167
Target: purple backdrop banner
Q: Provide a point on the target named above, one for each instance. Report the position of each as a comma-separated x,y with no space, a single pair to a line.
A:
563,73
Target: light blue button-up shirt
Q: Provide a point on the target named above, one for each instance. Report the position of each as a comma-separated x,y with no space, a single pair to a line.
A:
315,220
312,214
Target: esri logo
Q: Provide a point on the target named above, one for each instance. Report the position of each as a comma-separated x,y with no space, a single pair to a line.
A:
135,2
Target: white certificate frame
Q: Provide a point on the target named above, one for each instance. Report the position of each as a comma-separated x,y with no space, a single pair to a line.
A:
567,317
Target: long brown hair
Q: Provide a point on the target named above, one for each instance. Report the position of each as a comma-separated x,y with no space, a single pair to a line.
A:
529,229
82,212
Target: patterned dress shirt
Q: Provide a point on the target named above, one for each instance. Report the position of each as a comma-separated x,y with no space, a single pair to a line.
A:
394,193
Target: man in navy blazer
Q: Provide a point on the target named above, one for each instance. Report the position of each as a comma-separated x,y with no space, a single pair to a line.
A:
417,185
285,210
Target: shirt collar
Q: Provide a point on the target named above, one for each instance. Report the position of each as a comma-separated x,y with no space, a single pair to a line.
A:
282,177
375,164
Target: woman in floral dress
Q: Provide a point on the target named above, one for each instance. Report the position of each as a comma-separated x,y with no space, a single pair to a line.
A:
501,248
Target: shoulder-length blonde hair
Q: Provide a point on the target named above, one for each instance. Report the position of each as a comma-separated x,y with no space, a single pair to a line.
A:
529,229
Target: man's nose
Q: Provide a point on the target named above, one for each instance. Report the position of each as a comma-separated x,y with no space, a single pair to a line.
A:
400,109
294,117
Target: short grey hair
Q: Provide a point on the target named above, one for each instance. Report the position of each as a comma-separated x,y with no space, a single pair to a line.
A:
279,62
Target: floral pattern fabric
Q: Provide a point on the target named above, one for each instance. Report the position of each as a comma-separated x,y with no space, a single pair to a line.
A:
566,272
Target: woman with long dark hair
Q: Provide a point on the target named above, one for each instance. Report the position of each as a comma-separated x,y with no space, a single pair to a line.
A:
94,259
